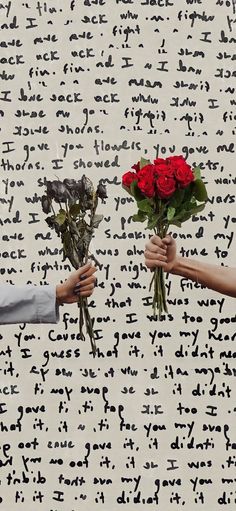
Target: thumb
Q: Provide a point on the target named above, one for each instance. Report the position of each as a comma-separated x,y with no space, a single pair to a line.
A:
168,239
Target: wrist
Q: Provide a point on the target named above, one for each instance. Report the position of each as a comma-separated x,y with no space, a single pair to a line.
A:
177,264
59,294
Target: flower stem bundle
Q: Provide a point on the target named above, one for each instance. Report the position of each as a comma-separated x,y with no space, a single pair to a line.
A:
167,192
73,205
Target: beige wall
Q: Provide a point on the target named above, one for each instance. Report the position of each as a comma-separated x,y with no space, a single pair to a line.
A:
90,89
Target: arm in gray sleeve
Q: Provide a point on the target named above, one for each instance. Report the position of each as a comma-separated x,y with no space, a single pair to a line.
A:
28,304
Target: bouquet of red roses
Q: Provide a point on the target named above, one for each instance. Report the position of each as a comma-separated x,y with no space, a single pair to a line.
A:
167,191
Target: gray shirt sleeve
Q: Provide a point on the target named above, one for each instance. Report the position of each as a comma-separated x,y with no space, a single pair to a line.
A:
28,304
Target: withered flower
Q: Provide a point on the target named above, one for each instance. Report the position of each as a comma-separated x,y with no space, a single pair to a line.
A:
73,188
46,204
101,191
87,186
57,190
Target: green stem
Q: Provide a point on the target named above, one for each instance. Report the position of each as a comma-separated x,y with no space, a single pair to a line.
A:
159,296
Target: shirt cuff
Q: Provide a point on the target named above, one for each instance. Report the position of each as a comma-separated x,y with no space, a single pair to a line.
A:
47,306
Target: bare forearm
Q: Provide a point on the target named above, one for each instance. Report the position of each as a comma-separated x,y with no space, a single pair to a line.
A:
218,278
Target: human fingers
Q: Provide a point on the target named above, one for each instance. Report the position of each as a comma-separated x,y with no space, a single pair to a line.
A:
86,270
157,256
89,280
168,240
85,290
156,240
82,274
157,247
154,263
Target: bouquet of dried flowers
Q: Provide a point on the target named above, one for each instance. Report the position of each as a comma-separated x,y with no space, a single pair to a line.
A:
167,191
73,205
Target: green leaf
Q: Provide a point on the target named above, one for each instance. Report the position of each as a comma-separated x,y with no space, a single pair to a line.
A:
188,193
197,172
190,205
135,191
198,208
139,217
199,190
154,220
170,213
181,214
96,220
177,198
145,206
144,162
175,222
75,210
60,217
152,223
185,215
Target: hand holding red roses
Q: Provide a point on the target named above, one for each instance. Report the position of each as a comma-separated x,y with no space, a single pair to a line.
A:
167,192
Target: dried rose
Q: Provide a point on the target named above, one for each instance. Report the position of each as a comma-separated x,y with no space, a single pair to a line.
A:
73,187
101,191
57,190
87,186
46,204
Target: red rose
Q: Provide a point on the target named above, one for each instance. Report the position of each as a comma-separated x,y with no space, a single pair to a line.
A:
182,171
159,161
176,161
128,178
146,180
166,186
184,175
163,169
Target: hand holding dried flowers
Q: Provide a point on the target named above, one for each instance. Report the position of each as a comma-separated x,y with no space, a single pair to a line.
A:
74,223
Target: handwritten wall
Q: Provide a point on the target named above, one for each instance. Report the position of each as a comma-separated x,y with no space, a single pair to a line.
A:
90,87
